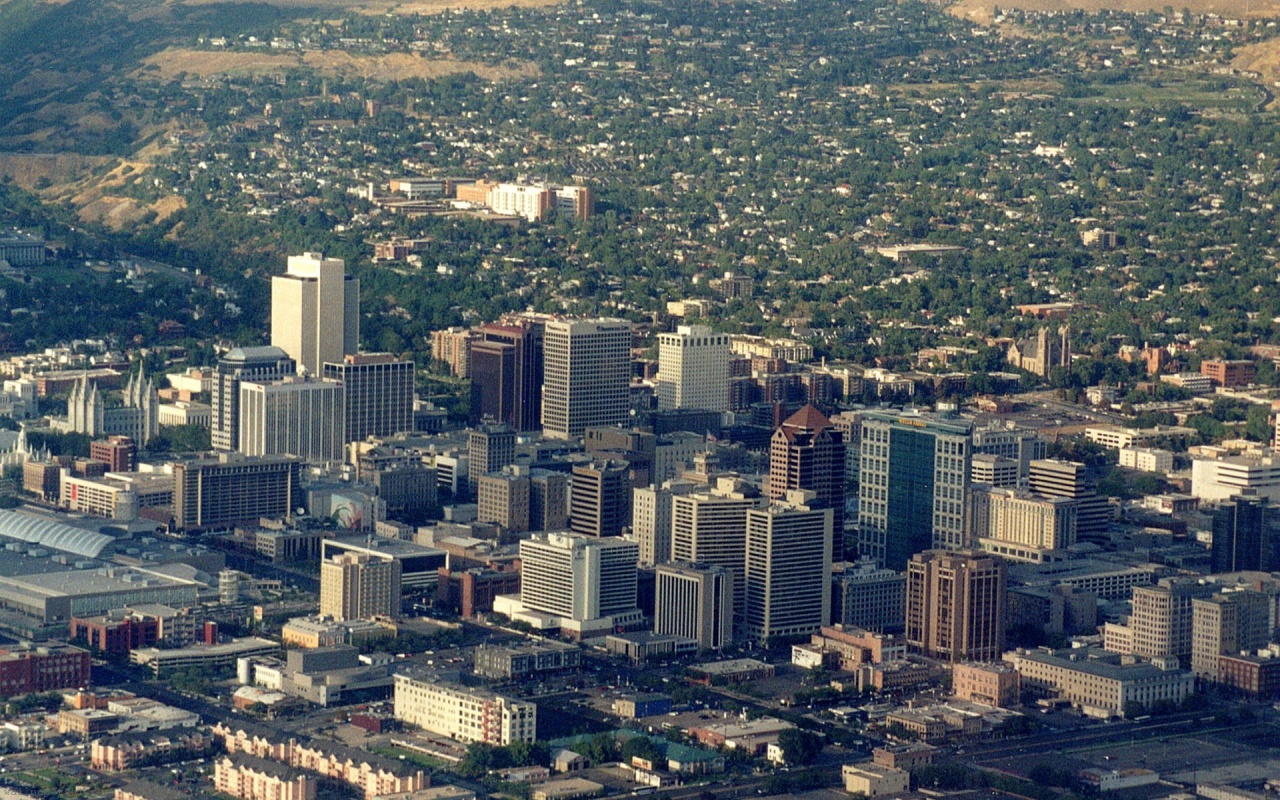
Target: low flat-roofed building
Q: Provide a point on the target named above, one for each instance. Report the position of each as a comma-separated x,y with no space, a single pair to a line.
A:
635,706
203,656
42,668
85,722
1102,684
995,684
567,789
640,646
752,736
855,646
521,660
1106,579
734,670
59,596
122,630
904,756
309,632
1111,780
22,734
873,780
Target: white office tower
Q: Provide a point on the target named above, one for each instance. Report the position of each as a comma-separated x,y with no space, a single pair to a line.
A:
651,519
315,311
293,416
711,528
694,601
788,569
693,369
577,583
586,375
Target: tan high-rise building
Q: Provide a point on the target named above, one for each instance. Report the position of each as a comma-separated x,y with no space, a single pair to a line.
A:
711,528
359,586
788,572
651,519
1162,616
1021,526
315,311
1227,624
586,376
503,498
296,416
956,605
693,369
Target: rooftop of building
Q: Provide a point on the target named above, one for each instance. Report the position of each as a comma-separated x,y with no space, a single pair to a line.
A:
78,583
266,767
52,534
396,548
241,645
731,666
1096,662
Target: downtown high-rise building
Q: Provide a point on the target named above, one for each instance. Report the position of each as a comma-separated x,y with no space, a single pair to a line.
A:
1246,535
600,498
711,528
956,605
914,480
1227,624
315,311
231,489
651,519
587,375
359,586
1053,477
507,373
257,364
806,453
577,577
693,369
489,449
377,392
295,416
788,568
694,601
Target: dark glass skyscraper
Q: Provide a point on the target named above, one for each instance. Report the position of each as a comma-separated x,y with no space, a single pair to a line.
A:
507,373
1246,535
914,475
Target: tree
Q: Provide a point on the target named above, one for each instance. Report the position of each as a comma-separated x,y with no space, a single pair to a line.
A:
799,747
640,747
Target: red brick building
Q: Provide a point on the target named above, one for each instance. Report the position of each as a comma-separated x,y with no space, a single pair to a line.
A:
471,591
1228,373
119,453
1259,677
116,635
42,669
